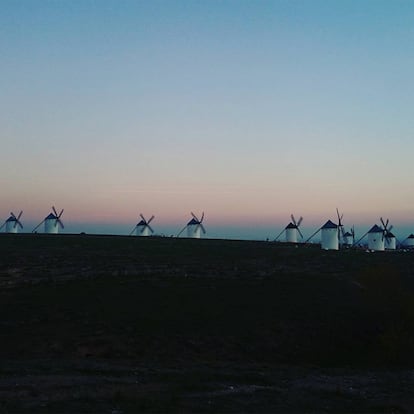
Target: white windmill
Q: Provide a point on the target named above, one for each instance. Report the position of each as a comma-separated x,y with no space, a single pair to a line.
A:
194,227
13,223
380,238
292,230
52,222
390,241
409,241
143,228
329,236
376,238
348,238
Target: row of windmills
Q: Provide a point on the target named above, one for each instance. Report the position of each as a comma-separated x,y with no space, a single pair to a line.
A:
52,223
334,236
194,227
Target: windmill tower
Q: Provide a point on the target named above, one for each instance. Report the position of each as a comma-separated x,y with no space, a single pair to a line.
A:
52,222
409,241
348,238
376,238
194,227
13,223
330,236
143,228
292,230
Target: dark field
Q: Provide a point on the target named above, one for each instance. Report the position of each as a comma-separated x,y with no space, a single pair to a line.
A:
112,324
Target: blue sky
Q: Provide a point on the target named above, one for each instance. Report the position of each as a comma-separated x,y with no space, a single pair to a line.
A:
247,110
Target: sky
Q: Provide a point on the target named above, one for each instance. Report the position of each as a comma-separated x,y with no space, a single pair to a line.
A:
246,110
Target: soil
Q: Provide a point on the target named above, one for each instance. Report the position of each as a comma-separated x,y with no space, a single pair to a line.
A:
108,324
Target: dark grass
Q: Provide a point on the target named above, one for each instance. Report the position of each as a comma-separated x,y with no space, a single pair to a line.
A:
163,302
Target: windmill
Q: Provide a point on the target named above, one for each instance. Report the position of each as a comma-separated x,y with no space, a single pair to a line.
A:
292,230
52,222
390,241
376,235
13,223
329,236
194,227
348,238
409,241
143,228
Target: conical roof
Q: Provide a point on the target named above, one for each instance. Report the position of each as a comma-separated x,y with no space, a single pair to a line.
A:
329,225
11,219
411,236
375,229
348,234
142,223
291,226
390,235
51,216
192,222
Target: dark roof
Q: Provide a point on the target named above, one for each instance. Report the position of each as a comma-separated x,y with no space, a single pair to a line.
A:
390,235
411,236
142,223
51,216
348,234
192,222
291,226
376,229
329,225
11,218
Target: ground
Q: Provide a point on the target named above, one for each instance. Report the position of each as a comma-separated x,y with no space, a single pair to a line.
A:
125,324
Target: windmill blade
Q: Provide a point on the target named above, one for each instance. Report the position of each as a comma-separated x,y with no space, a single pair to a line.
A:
297,228
149,221
313,235
202,217
18,222
300,221
58,221
132,231
38,226
384,224
12,214
202,228
194,216
2,225
293,220
178,235
54,211
60,214
390,228
279,235
360,238
150,228
340,217
143,218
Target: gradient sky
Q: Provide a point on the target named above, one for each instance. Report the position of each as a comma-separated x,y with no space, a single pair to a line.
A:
247,110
